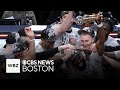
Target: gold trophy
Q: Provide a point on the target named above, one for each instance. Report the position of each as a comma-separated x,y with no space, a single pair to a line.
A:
88,19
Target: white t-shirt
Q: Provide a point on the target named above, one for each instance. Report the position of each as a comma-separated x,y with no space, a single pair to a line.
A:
39,48
65,37
113,42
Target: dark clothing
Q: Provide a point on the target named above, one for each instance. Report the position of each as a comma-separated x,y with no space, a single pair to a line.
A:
46,54
57,74
38,75
110,49
57,63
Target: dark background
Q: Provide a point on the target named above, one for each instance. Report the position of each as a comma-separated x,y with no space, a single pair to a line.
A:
47,17
46,9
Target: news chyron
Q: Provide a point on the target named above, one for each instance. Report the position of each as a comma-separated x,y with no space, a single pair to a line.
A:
18,66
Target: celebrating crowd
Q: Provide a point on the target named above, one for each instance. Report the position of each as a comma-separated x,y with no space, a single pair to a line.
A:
80,46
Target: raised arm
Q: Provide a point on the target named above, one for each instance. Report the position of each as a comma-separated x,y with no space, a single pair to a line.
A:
31,42
101,36
51,52
66,24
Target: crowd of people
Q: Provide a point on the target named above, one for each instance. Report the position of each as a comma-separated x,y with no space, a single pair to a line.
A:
83,52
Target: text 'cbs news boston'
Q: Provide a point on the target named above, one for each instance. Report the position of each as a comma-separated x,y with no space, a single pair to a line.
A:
17,66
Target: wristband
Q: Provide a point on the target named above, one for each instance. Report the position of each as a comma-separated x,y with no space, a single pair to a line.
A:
100,25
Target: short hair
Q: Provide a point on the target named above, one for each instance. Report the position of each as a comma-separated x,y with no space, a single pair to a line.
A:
110,22
66,12
11,38
45,32
22,32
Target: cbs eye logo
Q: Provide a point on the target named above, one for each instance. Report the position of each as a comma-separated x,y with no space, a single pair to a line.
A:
12,65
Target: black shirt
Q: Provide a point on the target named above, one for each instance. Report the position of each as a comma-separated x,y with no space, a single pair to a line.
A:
46,54
110,49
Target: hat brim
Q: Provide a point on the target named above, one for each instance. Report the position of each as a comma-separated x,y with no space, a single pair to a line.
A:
51,39
83,31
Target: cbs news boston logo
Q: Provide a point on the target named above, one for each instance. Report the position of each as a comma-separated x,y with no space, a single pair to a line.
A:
15,65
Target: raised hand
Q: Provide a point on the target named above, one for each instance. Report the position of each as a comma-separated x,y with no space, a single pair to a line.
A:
67,46
29,32
99,17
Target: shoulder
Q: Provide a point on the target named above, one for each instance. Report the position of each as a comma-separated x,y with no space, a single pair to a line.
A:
111,38
111,41
55,25
75,28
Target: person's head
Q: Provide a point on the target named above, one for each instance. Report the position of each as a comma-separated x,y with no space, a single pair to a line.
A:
86,37
77,60
46,41
11,38
64,15
20,48
108,26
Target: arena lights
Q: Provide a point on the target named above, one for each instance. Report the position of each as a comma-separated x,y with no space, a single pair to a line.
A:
113,34
3,35
38,27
